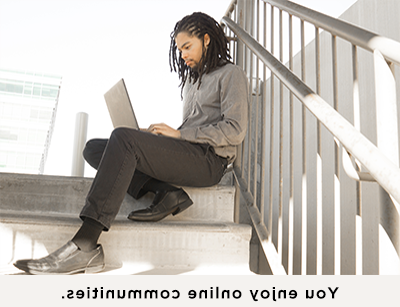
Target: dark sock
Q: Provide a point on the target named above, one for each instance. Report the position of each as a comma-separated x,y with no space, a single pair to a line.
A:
154,185
87,236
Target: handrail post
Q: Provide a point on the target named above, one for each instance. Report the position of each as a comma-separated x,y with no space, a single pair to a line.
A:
387,139
240,62
240,22
386,109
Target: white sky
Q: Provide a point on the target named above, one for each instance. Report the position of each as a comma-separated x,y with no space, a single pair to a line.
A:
94,43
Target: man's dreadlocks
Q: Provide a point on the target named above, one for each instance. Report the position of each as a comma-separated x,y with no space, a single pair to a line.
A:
217,53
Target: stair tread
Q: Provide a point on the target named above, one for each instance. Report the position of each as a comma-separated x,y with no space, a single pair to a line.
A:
7,178
29,218
132,247
148,270
58,194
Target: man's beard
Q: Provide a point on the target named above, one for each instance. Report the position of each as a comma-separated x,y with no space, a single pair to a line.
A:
195,68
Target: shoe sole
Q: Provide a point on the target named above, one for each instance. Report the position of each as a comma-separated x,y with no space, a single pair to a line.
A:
89,270
181,207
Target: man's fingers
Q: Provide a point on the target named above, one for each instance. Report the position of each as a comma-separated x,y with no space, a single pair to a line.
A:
157,128
163,129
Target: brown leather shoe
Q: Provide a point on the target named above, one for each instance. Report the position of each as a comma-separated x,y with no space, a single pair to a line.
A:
68,259
172,202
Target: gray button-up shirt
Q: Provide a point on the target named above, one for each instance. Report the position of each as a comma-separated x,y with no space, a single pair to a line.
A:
217,112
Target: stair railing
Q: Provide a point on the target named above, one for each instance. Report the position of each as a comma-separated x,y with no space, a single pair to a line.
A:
296,167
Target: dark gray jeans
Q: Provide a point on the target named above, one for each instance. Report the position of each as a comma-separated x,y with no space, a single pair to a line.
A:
130,158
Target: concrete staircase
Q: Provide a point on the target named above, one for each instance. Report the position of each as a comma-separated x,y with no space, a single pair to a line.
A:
40,213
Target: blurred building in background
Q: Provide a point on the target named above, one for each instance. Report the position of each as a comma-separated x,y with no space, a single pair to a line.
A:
28,106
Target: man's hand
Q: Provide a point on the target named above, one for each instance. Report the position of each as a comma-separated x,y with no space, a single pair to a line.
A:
163,129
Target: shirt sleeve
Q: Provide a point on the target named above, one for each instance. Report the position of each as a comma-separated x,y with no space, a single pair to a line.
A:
231,128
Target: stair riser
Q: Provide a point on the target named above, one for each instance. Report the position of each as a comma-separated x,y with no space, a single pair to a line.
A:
30,193
156,247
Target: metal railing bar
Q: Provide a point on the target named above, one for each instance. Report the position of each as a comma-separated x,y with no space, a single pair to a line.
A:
378,165
325,252
255,173
335,96
386,108
338,189
387,132
357,125
281,224
304,158
319,159
245,67
356,90
291,158
317,61
264,120
231,8
272,127
233,45
310,196
239,60
262,232
249,18
356,35
318,81
258,20
335,73
350,166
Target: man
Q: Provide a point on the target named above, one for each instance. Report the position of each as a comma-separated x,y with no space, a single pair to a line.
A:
215,95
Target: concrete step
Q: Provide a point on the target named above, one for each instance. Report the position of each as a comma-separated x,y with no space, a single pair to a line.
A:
166,247
57,194
40,213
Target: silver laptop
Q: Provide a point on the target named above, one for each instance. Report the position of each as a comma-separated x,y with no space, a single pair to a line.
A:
120,107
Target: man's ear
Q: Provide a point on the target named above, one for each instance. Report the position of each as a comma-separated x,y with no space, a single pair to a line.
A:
206,40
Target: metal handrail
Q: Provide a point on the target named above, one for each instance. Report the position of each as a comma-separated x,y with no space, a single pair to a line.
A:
230,8
366,39
299,214
378,165
259,226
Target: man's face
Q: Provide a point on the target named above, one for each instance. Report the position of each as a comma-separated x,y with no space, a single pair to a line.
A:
191,48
